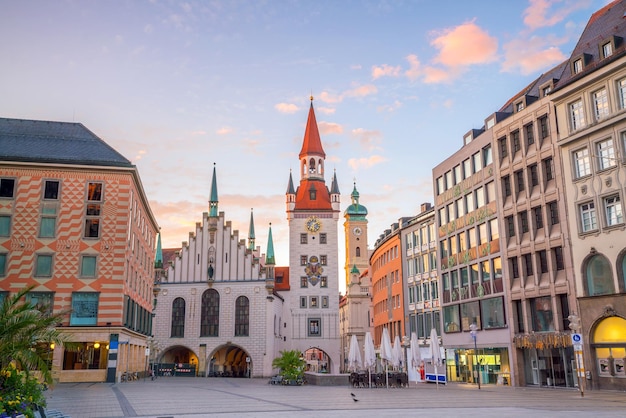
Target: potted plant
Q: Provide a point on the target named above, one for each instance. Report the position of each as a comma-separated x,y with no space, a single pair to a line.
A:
291,365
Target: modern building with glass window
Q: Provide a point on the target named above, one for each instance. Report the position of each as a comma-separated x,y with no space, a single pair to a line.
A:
421,278
590,103
76,225
470,264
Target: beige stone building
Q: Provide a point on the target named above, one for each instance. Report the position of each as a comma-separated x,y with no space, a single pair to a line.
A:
590,103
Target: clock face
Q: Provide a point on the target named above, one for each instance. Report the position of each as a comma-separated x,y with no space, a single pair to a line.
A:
313,224
357,231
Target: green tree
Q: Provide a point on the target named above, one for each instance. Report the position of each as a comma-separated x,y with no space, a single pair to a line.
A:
290,363
25,337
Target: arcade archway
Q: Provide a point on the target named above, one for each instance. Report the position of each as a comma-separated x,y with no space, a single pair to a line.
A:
229,361
317,361
177,361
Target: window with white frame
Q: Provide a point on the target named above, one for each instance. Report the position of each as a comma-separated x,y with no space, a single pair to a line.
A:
582,165
577,115
467,168
606,154
43,265
607,50
94,209
621,88
88,266
477,160
588,217
578,66
613,210
601,104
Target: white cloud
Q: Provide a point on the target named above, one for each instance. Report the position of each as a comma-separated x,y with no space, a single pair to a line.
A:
286,107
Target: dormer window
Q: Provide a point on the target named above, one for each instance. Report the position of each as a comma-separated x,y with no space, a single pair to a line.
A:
312,193
607,50
546,90
519,106
578,66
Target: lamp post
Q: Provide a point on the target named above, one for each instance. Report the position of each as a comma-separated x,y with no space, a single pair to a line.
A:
473,329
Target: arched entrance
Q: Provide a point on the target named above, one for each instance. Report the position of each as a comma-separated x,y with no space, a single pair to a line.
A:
177,361
229,361
317,361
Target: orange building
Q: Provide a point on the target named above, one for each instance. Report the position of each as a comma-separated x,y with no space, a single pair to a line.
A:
387,293
75,223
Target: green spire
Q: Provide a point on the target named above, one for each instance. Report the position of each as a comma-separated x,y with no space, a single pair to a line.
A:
354,270
213,199
158,259
251,237
269,258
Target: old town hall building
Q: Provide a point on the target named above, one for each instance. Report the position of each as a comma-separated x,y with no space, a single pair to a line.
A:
224,308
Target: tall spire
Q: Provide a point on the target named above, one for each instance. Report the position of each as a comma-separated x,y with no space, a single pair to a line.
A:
290,188
251,237
312,144
334,187
269,258
158,258
213,199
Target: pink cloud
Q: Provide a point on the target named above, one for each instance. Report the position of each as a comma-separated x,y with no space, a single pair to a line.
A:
361,91
224,130
543,13
368,140
385,71
286,107
327,128
464,45
414,70
356,163
530,56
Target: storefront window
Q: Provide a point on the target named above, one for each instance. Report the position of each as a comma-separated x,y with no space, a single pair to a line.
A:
451,318
470,314
542,315
92,355
492,311
609,340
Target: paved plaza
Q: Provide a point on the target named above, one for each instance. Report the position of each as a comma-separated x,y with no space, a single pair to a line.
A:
174,397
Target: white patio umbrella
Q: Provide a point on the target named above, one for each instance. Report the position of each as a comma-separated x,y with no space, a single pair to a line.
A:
435,352
386,352
369,354
354,355
415,359
396,352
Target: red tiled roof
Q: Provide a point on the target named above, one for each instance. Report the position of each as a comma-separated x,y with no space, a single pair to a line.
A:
282,272
312,144
303,195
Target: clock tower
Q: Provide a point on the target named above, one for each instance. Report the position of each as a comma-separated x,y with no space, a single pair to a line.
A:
312,304
355,230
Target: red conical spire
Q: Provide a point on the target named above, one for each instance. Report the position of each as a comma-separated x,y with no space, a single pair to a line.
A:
312,144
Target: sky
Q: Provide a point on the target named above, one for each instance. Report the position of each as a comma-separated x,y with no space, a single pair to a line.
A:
178,86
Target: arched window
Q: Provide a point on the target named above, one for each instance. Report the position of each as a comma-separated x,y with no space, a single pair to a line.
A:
598,276
242,317
178,318
312,166
210,314
319,166
621,271
358,251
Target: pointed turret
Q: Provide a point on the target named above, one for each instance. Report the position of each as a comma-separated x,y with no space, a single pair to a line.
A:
213,199
335,195
158,257
312,154
270,263
251,238
290,196
269,258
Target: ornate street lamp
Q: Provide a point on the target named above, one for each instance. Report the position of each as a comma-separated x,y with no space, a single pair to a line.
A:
473,333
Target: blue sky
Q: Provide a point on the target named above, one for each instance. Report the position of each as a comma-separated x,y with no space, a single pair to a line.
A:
176,86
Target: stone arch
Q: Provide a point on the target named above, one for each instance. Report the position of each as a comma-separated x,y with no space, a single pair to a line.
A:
229,360
317,360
